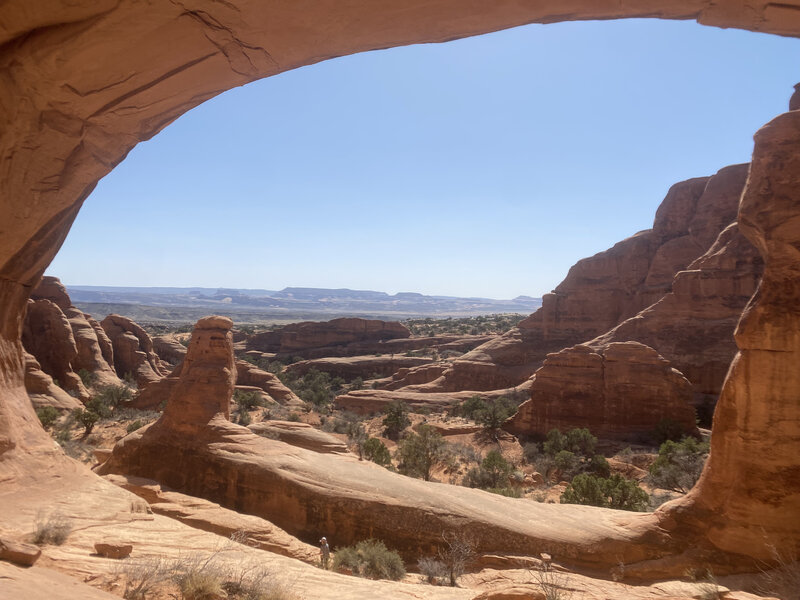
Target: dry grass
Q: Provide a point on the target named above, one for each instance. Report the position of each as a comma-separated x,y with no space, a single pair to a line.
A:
51,529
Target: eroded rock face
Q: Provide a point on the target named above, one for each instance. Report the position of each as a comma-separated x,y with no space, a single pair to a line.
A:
169,349
133,351
300,338
601,291
248,374
622,392
48,336
42,389
748,496
366,367
693,325
63,351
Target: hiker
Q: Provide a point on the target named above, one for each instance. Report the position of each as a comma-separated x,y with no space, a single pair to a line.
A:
324,552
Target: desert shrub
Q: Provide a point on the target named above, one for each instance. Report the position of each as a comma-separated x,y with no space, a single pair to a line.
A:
456,552
143,577
419,452
509,492
248,400
201,585
357,383
668,429
87,378
531,452
598,465
469,407
293,416
396,419
243,417
371,559
679,464
137,424
356,438
109,397
51,529
612,492
495,414
567,463
492,473
435,571
130,380
87,418
553,585
376,451
48,415
578,441
314,387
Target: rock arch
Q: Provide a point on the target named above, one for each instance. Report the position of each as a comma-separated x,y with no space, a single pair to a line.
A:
81,83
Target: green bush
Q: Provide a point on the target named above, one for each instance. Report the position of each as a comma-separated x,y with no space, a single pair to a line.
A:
48,415
613,492
492,473
509,492
495,414
419,452
396,419
668,429
471,406
87,418
137,424
248,400
370,559
679,464
376,451
87,378
108,398
578,441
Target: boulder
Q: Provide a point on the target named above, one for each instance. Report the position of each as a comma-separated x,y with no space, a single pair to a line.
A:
622,393
113,549
19,553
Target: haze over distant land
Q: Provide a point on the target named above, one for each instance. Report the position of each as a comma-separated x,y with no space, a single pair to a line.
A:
481,167
182,305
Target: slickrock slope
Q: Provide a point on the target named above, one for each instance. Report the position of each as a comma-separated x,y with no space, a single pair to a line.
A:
301,435
368,401
622,392
194,449
601,291
133,351
367,367
308,337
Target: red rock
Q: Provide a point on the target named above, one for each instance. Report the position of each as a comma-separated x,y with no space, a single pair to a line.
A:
113,550
248,374
299,338
301,435
48,336
624,392
19,553
43,391
366,367
133,351
169,349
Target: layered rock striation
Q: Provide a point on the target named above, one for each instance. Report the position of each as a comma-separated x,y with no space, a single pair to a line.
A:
309,337
134,355
601,291
623,392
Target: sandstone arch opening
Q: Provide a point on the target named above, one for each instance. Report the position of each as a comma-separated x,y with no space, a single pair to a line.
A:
78,125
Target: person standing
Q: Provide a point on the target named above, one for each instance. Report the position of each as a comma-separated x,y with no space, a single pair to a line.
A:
324,552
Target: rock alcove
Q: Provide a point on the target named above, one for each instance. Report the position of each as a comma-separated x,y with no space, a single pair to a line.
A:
84,82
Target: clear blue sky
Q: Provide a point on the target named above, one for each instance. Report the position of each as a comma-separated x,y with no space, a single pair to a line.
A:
480,167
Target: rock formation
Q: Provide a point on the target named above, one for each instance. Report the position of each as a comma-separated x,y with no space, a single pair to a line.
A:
303,338
306,492
693,325
43,391
366,367
301,435
133,351
608,288
369,401
248,374
67,125
169,349
48,336
622,392
64,341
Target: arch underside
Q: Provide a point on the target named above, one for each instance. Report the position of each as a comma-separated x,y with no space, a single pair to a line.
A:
81,83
